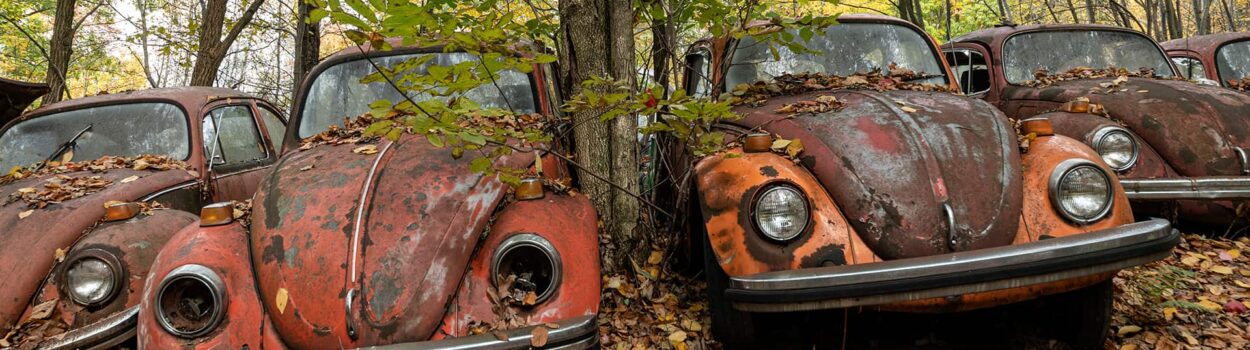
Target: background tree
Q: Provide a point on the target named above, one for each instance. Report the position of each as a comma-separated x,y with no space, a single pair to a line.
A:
212,46
307,41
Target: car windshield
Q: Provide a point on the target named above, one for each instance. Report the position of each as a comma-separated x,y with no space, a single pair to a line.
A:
844,49
124,130
1233,61
338,93
1060,51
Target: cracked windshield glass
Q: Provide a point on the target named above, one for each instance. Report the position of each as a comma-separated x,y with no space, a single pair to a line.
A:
1060,51
844,50
112,132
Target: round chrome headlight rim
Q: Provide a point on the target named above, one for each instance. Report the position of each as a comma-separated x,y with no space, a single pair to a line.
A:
1068,167
109,260
774,187
515,244
1103,133
199,274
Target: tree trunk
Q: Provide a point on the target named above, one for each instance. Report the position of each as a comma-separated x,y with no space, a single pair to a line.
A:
60,48
910,11
212,47
596,41
1072,9
308,42
1202,17
1229,15
1090,14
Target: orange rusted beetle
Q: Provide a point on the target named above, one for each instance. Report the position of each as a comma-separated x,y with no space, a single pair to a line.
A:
402,247
912,201
84,257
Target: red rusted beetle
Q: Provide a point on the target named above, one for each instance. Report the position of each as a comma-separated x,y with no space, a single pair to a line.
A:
1178,147
912,201
95,287
403,247
1217,59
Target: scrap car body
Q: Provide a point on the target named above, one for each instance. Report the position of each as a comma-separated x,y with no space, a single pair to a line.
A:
1219,59
75,262
902,198
398,247
1178,147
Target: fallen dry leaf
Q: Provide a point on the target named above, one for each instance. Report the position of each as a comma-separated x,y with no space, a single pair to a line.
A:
24,214
366,149
538,337
129,179
280,300
43,310
1126,330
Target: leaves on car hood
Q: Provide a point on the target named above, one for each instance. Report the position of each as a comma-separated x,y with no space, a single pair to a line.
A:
99,165
1043,77
791,84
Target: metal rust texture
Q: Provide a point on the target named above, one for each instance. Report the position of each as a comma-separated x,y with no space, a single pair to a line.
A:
224,249
892,170
134,243
398,228
569,222
974,301
1203,48
727,185
35,239
15,96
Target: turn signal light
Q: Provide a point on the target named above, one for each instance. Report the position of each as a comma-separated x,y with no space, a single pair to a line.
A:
1075,107
217,214
529,189
1037,126
118,211
757,142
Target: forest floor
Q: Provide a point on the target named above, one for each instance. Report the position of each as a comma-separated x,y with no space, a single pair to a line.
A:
1195,299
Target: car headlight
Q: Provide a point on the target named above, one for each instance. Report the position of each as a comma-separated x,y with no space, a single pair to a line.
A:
92,277
191,301
531,264
1080,191
1117,147
780,212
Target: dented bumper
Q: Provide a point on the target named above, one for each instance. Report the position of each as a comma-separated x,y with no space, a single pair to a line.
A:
981,270
1210,188
102,334
572,334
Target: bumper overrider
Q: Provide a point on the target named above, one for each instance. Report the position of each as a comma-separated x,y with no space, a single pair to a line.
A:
1209,188
102,334
959,273
572,334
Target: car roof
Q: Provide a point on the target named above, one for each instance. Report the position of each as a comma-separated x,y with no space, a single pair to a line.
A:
989,35
1203,43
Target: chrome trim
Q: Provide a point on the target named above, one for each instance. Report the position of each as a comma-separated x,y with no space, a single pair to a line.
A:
1060,172
1097,136
952,264
1209,187
351,323
530,240
114,264
574,333
244,171
203,275
104,333
951,233
1245,160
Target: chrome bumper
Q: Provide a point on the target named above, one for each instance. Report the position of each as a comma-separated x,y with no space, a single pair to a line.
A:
1212,187
102,334
958,273
573,334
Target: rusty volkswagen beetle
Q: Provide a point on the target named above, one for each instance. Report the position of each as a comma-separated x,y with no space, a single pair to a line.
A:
1178,147
903,198
1216,59
76,243
384,244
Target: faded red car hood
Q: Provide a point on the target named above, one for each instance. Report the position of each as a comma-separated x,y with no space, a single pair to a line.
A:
409,248
15,96
1193,127
892,159
28,246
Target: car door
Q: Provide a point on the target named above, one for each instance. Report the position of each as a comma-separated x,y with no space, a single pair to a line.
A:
235,150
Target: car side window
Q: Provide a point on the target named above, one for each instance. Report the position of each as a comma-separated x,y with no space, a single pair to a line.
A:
1190,68
698,74
971,70
275,126
234,132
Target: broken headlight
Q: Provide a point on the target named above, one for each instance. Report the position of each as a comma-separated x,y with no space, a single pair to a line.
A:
1080,191
1117,147
527,263
191,301
780,212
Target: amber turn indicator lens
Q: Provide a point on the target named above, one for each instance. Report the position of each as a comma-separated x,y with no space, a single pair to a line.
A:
118,211
757,142
1037,126
217,214
529,189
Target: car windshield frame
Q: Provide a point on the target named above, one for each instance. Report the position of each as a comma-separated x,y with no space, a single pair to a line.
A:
1003,53
186,146
1219,61
295,122
935,53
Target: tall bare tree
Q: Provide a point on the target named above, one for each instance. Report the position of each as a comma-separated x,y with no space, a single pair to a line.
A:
60,48
911,11
212,47
307,42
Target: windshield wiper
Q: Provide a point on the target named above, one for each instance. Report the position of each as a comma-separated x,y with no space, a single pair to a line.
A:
68,145
922,77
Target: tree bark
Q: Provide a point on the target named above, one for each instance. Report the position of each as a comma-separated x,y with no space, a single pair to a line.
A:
308,42
910,11
1202,17
1090,14
212,47
60,48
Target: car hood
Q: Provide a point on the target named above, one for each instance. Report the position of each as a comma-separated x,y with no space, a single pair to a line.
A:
15,96
1193,127
893,160
28,245
401,254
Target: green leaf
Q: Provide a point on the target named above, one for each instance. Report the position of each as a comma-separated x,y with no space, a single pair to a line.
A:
473,138
436,140
480,165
